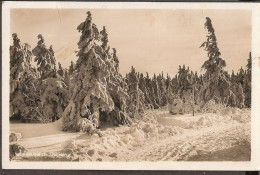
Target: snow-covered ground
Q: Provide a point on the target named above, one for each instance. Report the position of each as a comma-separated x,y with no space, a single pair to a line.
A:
159,136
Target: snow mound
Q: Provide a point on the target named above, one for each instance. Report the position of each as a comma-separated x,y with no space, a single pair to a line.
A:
239,115
107,147
146,131
211,107
223,116
206,120
14,148
14,137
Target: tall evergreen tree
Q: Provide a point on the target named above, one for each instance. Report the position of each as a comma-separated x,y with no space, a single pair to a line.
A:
51,88
136,102
23,79
247,84
157,91
117,87
89,92
216,86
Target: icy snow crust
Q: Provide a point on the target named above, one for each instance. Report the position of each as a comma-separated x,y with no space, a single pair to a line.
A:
159,136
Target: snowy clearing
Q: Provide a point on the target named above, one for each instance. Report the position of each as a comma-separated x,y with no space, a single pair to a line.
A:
162,137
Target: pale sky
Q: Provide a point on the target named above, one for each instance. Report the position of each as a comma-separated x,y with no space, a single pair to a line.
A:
150,40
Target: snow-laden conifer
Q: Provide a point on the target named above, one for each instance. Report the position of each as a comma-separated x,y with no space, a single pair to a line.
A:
216,85
116,85
51,88
89,93
136,102
23,81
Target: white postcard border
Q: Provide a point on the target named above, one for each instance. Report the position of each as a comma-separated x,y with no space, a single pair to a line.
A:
254,164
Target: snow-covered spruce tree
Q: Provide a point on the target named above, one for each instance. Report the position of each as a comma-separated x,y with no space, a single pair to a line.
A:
162,86
23,78
89,90
44,58
68,74
240,96
104,40
197,85
61,71
153,97
169,89
184,91
241,76
144,85
150,93
237,94
157,92
233,77
118,90
71,67
247,83
51,88
183,83
16,70
142,82
174,83
216,85
52,58
136,102
115,59
189,95
117,87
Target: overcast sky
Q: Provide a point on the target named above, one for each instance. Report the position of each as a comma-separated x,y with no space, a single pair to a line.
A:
150,40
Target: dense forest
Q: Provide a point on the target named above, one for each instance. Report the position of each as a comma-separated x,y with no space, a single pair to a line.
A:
92,90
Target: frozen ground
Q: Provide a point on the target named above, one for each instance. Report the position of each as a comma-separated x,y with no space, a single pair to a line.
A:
160,136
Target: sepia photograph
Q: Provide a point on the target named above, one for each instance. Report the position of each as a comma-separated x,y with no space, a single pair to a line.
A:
122,85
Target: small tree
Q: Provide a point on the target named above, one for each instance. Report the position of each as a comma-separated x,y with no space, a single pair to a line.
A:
71,68
44,58
104,39
61,71
115,59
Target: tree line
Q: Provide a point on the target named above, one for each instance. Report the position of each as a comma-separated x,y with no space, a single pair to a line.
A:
92,89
